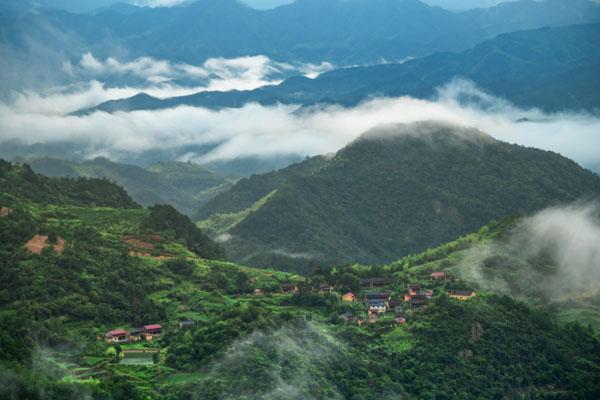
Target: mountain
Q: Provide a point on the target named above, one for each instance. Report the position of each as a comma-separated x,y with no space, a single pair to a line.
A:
395,191
229,331
183,185
549,68
339,31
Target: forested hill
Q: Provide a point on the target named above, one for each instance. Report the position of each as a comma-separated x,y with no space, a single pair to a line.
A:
20,182
184,185
231,332
398,190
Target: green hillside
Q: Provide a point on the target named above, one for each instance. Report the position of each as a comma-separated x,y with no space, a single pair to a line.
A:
397,190
186,186
249,339
20,182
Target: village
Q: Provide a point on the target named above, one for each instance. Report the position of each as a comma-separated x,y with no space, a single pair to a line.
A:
378,299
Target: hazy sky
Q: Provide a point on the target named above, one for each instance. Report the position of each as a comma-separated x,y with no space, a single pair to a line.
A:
89,5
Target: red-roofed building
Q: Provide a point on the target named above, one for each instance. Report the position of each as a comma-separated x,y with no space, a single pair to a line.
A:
438,276
154,329
349,297
117,336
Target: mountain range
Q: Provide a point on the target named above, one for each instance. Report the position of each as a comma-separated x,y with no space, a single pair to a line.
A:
396,190
550,68
342,32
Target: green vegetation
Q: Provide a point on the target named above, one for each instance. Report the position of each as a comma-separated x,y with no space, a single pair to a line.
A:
123,268
389,194
186,186
19,181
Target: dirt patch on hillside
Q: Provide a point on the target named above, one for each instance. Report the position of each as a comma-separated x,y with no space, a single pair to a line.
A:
39,242
147,242
5,212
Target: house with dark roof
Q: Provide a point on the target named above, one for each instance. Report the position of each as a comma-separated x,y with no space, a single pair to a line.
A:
383,296
417,301
187,324
377,282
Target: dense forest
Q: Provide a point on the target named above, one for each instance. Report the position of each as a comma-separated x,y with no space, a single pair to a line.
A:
129,267
186,186
391,193
21,182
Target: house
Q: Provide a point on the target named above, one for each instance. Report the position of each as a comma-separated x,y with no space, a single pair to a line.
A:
438,276
377,282
151,331
461,294
187,324
347,317
417,301
400,320
289,288
5,212
383,296
393,303
136,334
325,288
349,297
117,336
373,317
259,292
376,306
414,288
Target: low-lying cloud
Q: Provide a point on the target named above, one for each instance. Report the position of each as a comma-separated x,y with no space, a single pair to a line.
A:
554,253
261,131
215,74
296,355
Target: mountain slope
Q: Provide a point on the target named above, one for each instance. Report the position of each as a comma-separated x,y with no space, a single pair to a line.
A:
185,186
19,182
399,190
550,68
247,339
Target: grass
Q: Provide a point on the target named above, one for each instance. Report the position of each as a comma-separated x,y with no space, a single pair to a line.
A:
221,223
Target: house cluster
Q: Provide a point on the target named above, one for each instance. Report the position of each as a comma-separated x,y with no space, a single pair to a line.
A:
417,297
290,288
147,332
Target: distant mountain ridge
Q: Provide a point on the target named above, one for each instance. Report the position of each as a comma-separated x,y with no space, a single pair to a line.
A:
397,190
343,32
549,68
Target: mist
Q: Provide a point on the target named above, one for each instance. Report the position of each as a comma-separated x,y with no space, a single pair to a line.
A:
268,131
554,254
296,353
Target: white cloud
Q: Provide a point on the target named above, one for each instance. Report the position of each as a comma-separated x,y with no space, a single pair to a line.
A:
156,3
254,130
215,74
556,252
